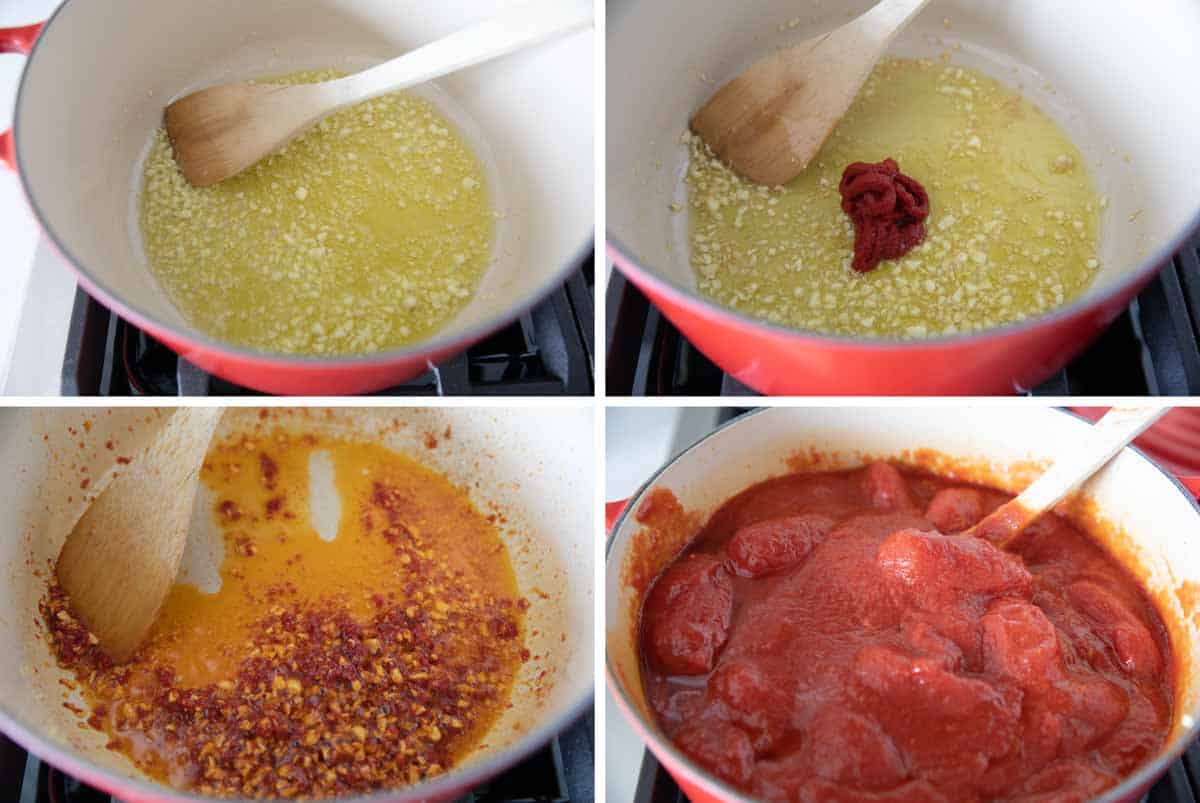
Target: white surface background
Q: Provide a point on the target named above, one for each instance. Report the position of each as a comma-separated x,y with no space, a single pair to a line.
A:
36,290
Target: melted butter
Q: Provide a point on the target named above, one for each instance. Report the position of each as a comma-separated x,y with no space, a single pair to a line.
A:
371,231
1013,230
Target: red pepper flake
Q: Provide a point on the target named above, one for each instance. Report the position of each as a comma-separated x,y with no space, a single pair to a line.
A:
270,471
888,209
274,505
229,510
505,628
323,705
84,483
108,445
431,441
124,460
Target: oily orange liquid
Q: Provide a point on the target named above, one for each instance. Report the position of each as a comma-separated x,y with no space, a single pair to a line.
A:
274,556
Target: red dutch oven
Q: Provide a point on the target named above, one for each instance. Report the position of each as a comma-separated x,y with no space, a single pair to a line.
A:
100,73
1156,516
1131,112
538,470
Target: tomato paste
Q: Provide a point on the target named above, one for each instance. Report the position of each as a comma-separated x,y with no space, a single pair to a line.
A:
888,209
829,637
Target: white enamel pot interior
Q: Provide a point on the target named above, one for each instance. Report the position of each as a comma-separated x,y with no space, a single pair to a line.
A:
102,71
537,469
1155,520
1114,75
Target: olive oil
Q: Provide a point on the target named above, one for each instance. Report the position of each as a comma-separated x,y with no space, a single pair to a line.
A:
226,658
1013,230
273,553
369,232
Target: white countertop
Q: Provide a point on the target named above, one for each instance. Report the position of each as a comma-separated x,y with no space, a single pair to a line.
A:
38,290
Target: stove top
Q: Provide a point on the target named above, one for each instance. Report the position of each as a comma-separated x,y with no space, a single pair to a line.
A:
561,772
548,351
1180,785
1152,350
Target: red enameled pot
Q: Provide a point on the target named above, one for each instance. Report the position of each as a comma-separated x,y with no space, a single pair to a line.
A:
1152,519
100,73
1130,112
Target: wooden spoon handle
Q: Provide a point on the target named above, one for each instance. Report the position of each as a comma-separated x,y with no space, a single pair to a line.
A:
1112,433
890,17
524,26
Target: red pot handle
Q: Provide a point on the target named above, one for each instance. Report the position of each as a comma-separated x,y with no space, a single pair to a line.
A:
15,40
19,40
1192,484
8,151
612,512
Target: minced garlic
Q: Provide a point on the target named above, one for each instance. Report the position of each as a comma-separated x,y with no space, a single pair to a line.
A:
1013,229
369,232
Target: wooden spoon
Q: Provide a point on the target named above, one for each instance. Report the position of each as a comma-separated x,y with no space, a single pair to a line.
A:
769,122
121,558
1112,433
221,131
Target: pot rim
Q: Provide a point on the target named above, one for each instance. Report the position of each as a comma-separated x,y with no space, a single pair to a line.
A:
199,340
721,790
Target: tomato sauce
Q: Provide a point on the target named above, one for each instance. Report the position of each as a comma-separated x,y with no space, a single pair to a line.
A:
828,637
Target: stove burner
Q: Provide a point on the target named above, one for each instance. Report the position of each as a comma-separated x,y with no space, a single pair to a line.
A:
1152,350
547,352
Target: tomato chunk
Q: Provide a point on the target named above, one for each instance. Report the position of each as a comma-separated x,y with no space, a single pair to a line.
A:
886,487
1135,647
755,703
954,510
688,614
852,750
1092,708
1084,780
776,544
928,641
950,727
936,570
719,745
1019,642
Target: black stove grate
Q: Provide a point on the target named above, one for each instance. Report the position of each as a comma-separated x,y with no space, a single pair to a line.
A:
1152,350
1181,784
561,772
548,351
